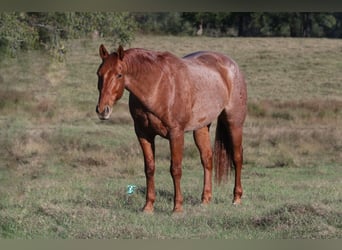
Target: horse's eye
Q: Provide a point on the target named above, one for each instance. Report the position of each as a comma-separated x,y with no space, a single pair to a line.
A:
119,75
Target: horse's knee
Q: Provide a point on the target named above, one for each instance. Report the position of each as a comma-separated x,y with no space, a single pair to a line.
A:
176,171
149,167
149,172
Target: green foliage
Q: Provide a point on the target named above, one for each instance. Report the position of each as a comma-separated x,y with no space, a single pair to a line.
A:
118,25
167,23
48,29
294,24
15,34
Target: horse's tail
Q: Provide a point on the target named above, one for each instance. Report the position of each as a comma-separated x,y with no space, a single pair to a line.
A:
223,151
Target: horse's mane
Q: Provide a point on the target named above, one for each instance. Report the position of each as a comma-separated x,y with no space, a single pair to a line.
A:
143,61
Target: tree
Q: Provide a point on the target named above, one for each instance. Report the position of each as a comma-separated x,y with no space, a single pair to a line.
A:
15,34
167,23
47,29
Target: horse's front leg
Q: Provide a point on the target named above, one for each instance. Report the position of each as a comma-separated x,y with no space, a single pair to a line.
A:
176,146
148,149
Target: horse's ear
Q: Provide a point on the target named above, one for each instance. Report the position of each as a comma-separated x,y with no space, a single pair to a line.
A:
103,52
121,52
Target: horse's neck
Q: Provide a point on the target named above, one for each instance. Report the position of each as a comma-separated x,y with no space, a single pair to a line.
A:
142,74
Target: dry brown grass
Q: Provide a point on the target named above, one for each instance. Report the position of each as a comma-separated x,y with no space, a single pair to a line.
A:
293,133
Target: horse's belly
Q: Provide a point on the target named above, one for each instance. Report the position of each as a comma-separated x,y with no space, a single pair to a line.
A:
203,119
205,112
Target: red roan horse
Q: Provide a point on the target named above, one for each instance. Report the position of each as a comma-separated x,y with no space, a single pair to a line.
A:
171,95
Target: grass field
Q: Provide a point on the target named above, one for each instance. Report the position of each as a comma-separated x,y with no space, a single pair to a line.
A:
64,173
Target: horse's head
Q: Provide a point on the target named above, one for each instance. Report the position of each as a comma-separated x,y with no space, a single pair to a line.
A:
110,81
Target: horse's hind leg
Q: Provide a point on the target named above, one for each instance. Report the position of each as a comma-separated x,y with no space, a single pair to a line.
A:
236,135
202,140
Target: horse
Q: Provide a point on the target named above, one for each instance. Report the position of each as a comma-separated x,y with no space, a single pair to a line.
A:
169,96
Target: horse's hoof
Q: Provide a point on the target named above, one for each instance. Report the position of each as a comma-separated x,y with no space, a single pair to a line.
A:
205,204
177,211
237,202
206,201
146,210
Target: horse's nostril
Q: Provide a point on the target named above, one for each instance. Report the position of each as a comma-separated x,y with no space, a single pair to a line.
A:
97,109
106,109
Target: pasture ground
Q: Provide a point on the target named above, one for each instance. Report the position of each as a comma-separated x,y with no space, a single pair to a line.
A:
64,173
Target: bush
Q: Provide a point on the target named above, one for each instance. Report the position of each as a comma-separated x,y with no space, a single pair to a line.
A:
118,25
15,34
46,30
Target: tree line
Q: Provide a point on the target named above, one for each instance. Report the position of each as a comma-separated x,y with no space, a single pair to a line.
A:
34,30
258,24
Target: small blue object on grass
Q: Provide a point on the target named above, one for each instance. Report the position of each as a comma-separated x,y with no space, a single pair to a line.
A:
131,189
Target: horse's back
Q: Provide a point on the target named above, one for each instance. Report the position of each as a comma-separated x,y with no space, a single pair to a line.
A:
215,61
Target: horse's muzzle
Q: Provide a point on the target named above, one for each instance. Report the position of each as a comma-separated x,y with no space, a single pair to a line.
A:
105,114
